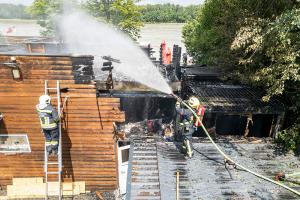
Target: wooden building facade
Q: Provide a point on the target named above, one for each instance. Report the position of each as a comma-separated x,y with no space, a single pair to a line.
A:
89,149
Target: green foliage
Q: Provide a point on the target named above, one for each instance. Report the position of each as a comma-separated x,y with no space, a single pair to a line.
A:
209,36
257,42
46,12
290,139
271,50
122,13
168,13
11,11
100,8
127,17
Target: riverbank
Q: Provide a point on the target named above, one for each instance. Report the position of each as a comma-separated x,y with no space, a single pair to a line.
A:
19,27
150,33
156,33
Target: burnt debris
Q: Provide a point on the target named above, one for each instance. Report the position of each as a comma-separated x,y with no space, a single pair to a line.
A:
232,109
83,69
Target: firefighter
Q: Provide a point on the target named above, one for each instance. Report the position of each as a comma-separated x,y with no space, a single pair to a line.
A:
199,110
188,123
49,120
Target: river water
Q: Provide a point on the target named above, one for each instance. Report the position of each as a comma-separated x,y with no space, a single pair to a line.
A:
19,27
153,33
157,33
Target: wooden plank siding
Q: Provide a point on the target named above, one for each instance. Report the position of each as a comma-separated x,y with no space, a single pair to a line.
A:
89,152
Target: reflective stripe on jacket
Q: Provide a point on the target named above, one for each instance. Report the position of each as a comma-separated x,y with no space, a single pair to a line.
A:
186,117
48,117
200,112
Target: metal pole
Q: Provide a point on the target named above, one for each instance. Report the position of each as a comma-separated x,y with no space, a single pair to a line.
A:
45,153
46,171
59,144
177,185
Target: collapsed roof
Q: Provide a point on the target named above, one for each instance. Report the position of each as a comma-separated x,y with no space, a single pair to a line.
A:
220,96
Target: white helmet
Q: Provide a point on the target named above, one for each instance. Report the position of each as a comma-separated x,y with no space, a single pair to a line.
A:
45,100
194,102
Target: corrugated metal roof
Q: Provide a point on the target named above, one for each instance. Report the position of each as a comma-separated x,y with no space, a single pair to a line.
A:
222,97
201,72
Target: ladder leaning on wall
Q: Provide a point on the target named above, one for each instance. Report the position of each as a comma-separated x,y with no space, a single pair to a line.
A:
57,163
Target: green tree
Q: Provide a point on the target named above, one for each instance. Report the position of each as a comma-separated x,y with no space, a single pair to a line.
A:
271,51
209,37
127,17
100,8
272,59
46,12
256,42
122,13
168,13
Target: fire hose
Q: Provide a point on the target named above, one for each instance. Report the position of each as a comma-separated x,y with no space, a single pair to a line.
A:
281,176
228,158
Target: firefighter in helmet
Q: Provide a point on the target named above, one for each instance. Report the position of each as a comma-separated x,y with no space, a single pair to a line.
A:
199,110
187,123
49,120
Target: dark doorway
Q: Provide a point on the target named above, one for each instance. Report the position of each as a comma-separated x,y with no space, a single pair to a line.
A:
261,126
230,124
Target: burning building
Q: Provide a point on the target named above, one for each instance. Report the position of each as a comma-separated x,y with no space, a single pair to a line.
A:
89,150
233,109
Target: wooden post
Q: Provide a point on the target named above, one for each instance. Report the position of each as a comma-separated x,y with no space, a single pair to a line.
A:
249,122
279,122
272,126
177,185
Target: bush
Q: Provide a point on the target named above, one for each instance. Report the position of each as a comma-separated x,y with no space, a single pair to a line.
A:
290,139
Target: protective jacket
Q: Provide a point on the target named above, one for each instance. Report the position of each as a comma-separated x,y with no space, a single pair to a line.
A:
185,117
48,116
200,113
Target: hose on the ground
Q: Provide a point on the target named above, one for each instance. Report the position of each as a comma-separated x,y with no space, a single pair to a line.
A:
293,174
228,158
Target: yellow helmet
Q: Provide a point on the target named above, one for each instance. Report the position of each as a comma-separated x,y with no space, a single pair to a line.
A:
194,102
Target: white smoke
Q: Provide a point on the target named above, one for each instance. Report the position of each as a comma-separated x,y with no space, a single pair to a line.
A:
85,35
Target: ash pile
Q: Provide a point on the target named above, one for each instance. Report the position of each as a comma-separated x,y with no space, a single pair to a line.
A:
154,127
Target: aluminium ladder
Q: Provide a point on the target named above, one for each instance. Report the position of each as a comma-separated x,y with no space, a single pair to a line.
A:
58,163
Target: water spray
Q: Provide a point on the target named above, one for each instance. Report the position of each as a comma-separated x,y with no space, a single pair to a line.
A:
99,39
83,34
226,157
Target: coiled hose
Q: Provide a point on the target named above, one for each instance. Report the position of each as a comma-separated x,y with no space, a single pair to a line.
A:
228,158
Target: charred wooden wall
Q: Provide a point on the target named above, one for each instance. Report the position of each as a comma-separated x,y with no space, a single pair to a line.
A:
88,144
